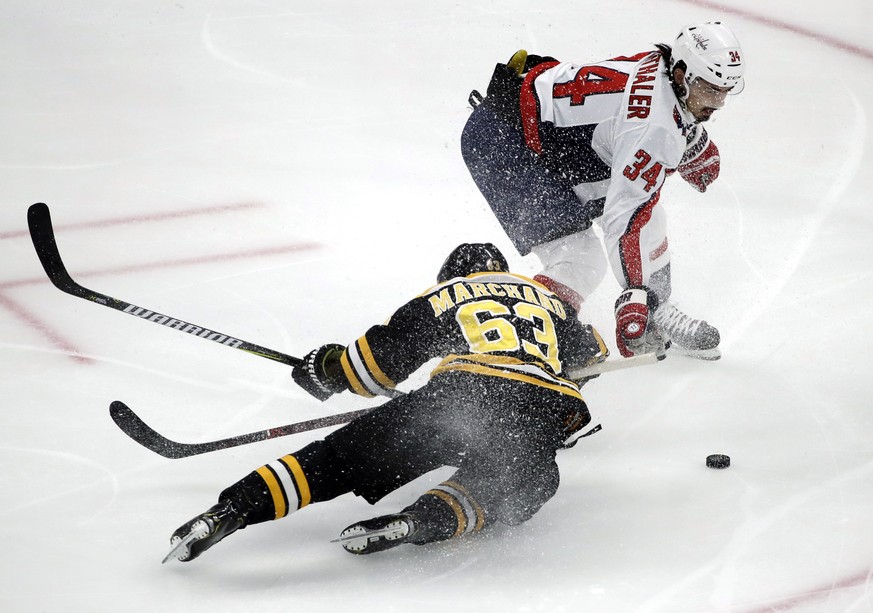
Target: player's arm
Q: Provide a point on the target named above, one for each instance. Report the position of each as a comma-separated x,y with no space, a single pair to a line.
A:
701,162
373,364
639,170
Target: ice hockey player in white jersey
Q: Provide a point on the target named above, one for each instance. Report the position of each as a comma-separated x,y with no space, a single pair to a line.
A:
556,147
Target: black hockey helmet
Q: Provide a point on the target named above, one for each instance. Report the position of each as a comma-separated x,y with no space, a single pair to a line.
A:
468,258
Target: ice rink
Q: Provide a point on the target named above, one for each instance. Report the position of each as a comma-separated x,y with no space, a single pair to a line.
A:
289,173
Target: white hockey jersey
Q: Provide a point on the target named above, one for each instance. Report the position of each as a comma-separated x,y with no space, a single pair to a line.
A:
615,129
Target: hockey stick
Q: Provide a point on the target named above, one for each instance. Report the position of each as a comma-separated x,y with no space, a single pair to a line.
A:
40,223
584,372
134,427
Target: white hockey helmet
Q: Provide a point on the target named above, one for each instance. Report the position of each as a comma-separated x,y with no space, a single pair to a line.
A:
711,52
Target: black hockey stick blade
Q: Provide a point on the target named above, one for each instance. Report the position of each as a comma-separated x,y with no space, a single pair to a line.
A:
42,234
134,427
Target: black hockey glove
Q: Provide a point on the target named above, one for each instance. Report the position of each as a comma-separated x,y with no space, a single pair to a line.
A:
593,350
635,331
504,88
321,371
504,91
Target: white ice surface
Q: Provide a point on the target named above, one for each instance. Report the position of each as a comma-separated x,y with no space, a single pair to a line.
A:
315,146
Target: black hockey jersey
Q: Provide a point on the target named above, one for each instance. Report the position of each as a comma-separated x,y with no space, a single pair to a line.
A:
491,324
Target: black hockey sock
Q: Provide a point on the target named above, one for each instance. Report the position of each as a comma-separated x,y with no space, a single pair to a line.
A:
283,486
444,512
325,471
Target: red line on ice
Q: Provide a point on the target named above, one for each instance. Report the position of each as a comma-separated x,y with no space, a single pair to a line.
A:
791,602
59,340
56,338
205,259
818,37
118,221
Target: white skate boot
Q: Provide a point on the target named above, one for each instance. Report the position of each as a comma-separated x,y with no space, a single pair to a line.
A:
691,337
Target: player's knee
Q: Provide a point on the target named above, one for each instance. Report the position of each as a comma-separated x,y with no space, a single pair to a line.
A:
530,496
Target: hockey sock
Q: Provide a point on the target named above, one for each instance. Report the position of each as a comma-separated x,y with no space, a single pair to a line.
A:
444,512
285,485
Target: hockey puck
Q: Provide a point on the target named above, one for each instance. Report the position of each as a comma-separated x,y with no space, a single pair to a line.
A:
718,461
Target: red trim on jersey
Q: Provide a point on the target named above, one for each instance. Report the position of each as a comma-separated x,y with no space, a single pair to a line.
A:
633,58
530,108
629,243
563,292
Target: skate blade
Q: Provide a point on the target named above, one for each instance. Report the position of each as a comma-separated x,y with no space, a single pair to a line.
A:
709,355
370,534
197,533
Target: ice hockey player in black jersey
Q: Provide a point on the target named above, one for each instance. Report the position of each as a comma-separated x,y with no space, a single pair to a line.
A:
497,407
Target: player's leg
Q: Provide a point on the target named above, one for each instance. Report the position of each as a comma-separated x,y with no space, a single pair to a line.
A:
572,266
533,205
446,511
313,474
499,487
694,337
371,456
506,474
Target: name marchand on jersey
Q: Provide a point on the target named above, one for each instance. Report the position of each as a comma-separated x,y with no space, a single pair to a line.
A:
475,350
489,284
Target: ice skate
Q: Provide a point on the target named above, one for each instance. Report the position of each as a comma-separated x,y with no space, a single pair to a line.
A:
377,534
691,337
199,534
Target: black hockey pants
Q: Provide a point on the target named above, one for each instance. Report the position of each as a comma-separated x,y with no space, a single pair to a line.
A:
501,435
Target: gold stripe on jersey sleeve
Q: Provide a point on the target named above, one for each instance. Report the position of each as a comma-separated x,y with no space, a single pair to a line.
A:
299,478
275,490
370,361
351,375
456,507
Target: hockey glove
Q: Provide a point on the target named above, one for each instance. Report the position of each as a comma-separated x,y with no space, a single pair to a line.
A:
701,163
635,331
504,88
594,351
321,371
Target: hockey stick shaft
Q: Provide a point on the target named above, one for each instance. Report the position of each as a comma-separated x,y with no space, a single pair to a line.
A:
43,237
610,365
134,427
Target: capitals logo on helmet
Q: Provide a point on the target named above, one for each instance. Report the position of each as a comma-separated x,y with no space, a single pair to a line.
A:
468,258
711,52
